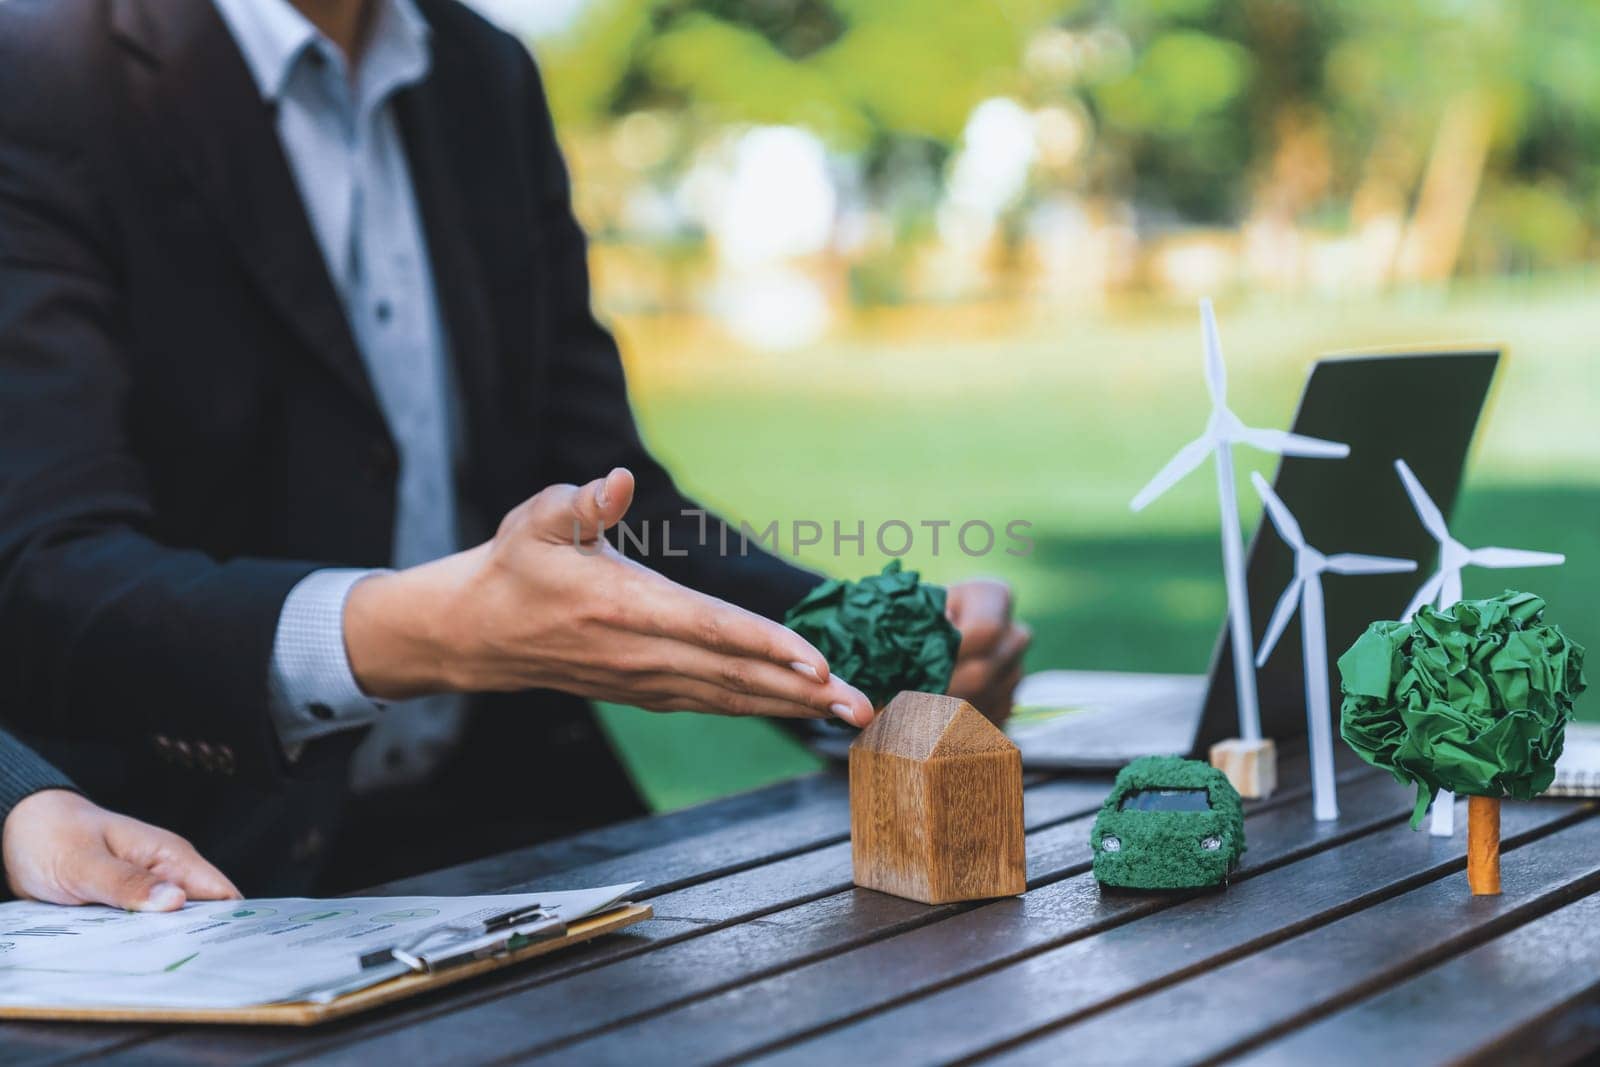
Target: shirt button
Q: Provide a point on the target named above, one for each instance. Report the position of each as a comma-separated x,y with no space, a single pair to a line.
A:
321,711
384,311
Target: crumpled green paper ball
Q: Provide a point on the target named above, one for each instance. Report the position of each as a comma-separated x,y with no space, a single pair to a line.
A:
883,634
1474,699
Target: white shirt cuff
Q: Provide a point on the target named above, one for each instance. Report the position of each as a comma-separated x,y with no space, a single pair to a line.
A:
313,692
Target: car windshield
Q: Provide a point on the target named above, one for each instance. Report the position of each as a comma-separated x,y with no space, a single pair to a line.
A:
1166,800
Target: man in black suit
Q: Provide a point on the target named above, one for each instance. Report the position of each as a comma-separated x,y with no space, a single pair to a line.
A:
290,292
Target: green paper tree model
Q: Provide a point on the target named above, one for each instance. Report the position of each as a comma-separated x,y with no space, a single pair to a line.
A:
1474,699
883,634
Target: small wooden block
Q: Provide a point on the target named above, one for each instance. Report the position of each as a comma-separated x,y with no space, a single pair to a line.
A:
936,803
1252,766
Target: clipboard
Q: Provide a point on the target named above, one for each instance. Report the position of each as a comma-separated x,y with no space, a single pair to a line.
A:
396,989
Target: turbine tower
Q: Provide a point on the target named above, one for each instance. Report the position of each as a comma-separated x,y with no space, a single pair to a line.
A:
1443,590
1305,592
1223,430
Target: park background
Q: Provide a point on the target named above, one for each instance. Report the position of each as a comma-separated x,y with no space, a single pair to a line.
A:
885,259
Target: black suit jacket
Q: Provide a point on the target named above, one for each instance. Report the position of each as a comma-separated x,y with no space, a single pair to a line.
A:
186,428
22,773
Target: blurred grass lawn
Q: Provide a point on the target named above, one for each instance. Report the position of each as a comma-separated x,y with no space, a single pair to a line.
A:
1059,422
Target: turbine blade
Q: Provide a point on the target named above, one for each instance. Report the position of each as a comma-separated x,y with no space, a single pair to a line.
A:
1425,595
1450,592
1293,444
1514,557
1216,370
1427,510
1281,517
1280,620
1355,563
1188,458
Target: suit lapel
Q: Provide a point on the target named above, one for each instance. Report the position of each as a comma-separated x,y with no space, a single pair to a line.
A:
223,135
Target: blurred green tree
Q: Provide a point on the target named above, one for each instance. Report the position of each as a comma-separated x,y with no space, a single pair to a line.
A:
1475,121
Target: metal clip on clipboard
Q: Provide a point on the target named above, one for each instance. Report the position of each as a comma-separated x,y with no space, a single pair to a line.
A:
451,946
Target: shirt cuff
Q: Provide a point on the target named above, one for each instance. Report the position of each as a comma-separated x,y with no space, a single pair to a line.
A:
313,691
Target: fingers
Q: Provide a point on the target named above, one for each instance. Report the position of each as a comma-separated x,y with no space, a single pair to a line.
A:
610,496
1015,645
993,677
68,850
168,857
743,676
996,701
577,514
96,876
662,608
195,876
675,693
981,610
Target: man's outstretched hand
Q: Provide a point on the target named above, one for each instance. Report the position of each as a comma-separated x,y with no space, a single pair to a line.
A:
61,848
548,603
989,662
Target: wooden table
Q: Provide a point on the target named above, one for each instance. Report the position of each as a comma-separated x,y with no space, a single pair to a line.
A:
1347,942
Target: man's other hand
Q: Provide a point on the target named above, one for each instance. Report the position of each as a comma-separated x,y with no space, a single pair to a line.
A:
61,848
549,604
989,663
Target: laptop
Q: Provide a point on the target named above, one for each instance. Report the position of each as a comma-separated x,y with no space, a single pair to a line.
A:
1422,407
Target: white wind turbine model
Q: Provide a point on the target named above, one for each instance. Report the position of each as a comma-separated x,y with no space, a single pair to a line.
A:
1444,589
1222,431
1305,591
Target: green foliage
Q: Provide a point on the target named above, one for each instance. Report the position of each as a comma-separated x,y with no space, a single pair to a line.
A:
1182,78
860,71
918,69
1187,97
884,634
734,74
1474,699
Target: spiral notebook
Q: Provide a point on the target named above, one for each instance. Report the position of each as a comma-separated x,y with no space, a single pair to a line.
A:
1578,769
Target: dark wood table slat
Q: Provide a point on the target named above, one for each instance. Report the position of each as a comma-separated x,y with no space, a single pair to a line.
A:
816,818
692,968
704,841
1128,960
683,968
1256,998
45,1044
843,985
1329,947
1505,1002
699,842
693,911
807,802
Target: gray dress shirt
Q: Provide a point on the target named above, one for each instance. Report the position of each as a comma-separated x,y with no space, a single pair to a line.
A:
337,126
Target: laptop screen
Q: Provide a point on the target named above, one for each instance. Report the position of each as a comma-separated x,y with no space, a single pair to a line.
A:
1422,408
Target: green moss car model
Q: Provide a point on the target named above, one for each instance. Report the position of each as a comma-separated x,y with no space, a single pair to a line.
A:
1169,823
